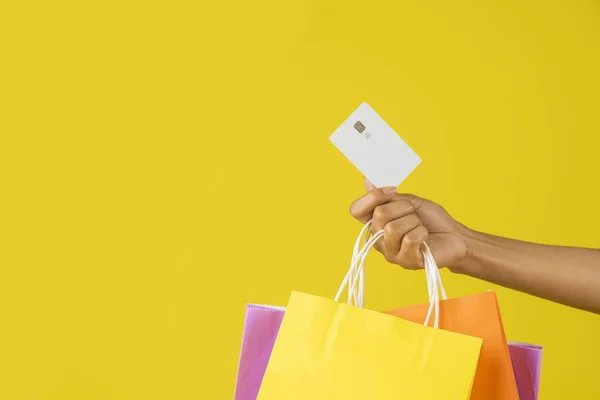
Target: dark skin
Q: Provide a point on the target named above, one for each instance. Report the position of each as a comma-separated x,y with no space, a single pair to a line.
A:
566,275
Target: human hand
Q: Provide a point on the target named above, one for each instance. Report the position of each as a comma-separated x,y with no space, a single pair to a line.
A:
407,222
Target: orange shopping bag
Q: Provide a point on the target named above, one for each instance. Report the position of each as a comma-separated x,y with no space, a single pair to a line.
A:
476,315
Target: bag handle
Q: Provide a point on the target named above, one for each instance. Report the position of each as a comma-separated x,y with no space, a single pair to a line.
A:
435,276
434,284
355,277
356,273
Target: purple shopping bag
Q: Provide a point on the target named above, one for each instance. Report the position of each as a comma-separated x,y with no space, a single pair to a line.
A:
260,331
527,362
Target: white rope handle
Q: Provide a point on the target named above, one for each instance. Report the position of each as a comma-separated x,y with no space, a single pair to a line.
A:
364,236
355,275
427,255
355,278
434,284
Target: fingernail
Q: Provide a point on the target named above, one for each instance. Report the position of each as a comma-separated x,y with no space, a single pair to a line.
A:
389,190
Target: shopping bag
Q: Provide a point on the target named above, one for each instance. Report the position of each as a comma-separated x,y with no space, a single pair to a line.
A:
328,350
527,363
260,330
476,315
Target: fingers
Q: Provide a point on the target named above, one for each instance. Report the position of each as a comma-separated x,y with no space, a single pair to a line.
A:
403,233
394,233
362,209
385,213
396,215
410,248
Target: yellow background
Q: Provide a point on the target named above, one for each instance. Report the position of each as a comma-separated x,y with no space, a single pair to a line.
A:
163,163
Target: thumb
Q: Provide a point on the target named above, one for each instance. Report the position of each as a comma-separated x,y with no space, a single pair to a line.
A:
416,201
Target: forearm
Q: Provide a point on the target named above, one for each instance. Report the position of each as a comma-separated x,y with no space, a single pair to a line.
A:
566,275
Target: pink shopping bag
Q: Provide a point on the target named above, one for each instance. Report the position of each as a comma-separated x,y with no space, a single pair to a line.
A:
260,330
527,362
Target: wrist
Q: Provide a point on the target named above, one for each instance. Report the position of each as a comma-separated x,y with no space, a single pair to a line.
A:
470,262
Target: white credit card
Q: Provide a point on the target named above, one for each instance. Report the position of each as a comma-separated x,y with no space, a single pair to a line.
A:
375,148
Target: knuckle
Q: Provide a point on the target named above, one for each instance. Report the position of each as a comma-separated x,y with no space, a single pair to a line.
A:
354,210
399,260
378,246
389,230
389,257
407,264
409,240
379,213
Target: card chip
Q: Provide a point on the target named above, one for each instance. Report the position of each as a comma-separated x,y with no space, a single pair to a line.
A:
359,127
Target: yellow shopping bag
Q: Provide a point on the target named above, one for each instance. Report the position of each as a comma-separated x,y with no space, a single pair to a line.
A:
329,350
